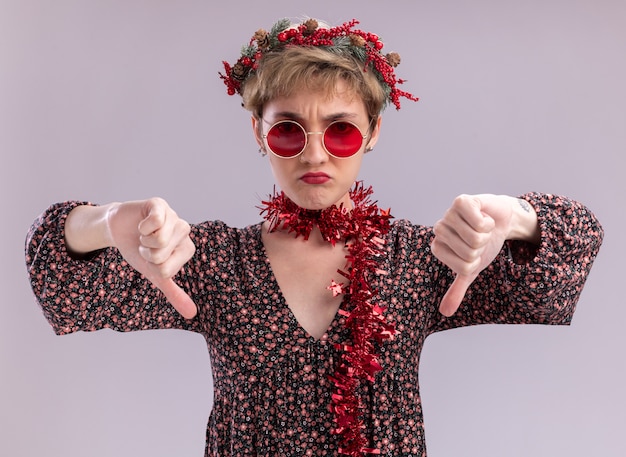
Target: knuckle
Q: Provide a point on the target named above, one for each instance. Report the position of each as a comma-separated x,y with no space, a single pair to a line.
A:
460,200
484,225
472,256
166,271
190,248
436,244
434,248
475,240
145,253
157,201
444,229
466,268
157,240
158,257
183,227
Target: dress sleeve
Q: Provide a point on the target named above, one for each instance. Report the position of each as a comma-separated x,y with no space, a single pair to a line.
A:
93,293
533,284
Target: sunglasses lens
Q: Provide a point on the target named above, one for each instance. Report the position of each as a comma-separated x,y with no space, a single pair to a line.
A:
286,139
343,139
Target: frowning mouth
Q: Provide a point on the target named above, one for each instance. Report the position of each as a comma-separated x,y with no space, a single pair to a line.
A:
315,178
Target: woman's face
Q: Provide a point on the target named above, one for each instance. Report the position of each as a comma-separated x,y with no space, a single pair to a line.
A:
314,179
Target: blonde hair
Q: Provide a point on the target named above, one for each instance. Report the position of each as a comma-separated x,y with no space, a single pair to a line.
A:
319,69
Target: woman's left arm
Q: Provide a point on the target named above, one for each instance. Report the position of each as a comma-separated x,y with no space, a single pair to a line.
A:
474,230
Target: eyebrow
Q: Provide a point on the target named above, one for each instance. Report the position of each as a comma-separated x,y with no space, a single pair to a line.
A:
329,117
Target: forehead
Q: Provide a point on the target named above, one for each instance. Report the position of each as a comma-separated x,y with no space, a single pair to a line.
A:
304,102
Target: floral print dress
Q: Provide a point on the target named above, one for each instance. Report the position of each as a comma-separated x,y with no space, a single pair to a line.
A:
271,386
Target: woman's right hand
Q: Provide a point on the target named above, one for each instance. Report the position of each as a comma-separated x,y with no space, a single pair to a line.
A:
155,241
148,234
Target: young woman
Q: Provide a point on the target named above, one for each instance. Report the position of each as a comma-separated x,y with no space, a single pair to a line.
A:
315,317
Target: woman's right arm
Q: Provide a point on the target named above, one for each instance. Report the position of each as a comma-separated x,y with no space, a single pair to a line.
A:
79,259
147,233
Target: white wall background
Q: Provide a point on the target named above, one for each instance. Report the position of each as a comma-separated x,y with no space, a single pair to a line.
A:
120,99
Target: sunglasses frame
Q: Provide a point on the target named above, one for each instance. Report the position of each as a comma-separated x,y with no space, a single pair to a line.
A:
306,138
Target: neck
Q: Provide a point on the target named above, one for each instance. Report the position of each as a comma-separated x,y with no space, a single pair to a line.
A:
365,225
281,230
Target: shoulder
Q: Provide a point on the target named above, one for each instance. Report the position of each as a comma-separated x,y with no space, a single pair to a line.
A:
217,233
403,231
409,242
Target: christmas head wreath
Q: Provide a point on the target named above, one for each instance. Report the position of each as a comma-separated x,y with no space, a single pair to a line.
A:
365,47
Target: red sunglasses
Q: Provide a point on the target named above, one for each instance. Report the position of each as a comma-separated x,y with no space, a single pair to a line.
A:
287,139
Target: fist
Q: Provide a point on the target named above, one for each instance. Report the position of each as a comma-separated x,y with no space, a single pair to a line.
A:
467,239
155,241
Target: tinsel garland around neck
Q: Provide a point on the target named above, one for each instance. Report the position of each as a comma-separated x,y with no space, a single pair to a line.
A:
363,229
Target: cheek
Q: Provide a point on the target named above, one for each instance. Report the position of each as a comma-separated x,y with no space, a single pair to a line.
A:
279,168
355,164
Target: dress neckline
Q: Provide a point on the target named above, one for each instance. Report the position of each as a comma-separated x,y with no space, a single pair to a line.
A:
290,317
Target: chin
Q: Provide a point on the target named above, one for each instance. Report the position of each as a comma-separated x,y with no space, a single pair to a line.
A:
323,203
312,205
317,197
312,200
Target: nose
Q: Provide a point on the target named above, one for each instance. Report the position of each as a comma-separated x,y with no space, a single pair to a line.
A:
314,152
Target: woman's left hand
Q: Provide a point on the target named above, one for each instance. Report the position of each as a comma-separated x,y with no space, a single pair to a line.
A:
471,234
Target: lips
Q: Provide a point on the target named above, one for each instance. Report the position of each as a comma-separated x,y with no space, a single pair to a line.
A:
315,178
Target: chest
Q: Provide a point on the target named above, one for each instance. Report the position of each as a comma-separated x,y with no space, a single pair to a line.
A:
304,271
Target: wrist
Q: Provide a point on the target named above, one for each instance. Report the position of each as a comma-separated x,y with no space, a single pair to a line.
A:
524,222
87,228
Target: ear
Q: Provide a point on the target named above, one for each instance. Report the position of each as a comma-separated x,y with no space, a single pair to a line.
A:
256,129
374,135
